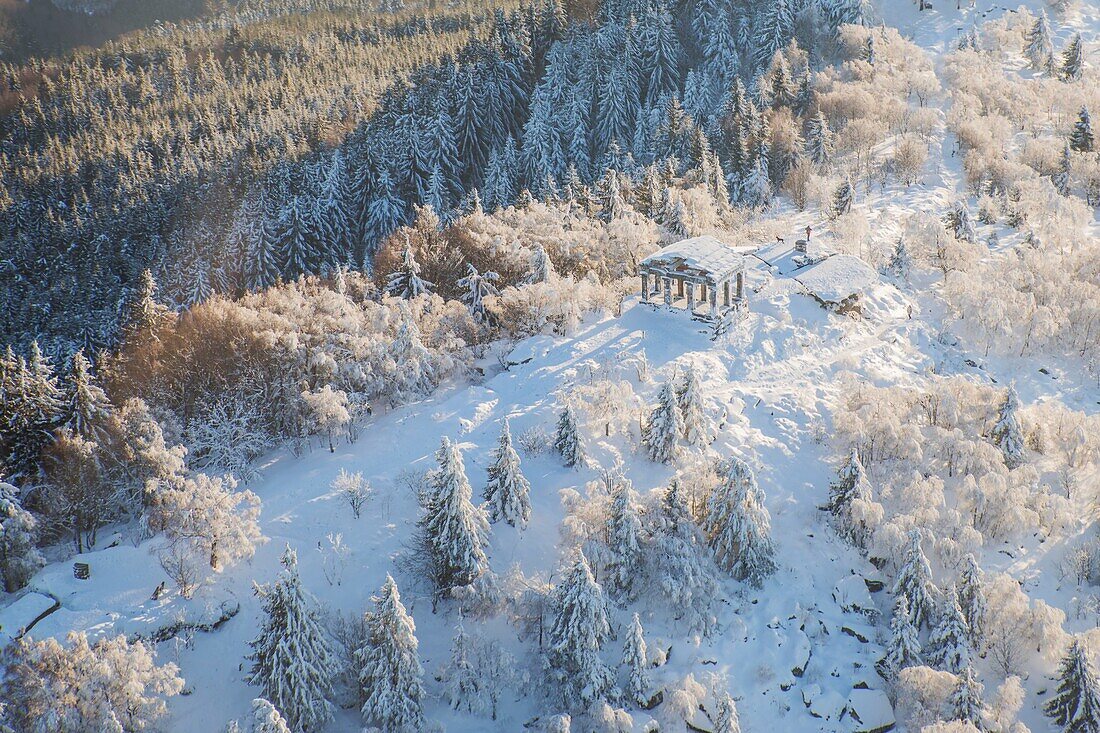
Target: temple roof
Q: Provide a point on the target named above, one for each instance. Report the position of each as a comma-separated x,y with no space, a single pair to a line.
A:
705,254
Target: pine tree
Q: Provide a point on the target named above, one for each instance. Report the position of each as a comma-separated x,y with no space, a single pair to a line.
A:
726,719
140,313
901,262
542,269
567,440
819,139
19,555
914,581
972,600
87,407
454,531
1076,703
1081,140
385,210
684,576
965,703
29,410
636,663
842,199
624,531
507,493
664,427
959,222
903,649
577,633
1073,60
405,281
738,526
948,646
851,485
756,190
698,430
775,30
292,659
1007,434
389,669
1039,49
264,718
297,239
612,206
477,287
462,681
1060,177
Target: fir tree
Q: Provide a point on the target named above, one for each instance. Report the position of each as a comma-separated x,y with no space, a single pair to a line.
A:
264,718
948,646
462,687
405,281
775,30
851,485
1081,140
87,407
624,530
140,313
1007,434
636,663
972,600
901,262
697,426
914,581
1076,702
1073,60
1060,177
477,287
842,199
903,649
612,206
819,139
726,719
684,576
1039,49
542,269
738,526
965,702
454,531
567,441
389,668
292,659
664,427
577,634
19,555
959,223
507,493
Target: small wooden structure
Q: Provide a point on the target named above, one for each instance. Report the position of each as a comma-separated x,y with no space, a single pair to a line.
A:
82,570
703,275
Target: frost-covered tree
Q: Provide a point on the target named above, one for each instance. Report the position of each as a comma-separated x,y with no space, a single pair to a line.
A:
87,406
1007,434
948,647
1040,49
738,526
959,222
578,632
264,718
901,261
636,663
1076,702
662,431
842,198
1060,176
476,287
507,493
774,30
1073,59
462,681
819,139
697,426
914,581
851,485
624,541
454,532
903,648
972,600
542,269
726,719
685,577
292,657
389,669
19,555
965,703
353,489
1081,139
405,281
567,439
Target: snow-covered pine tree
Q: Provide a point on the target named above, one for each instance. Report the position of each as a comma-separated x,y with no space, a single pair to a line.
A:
461,680
637,664
508,492
959,222
1060,176
756,189
1082,139
389,669
1076,702
87,406
140,313
1073,60
577,634
1040,49
903,649
453,530
738,526
624,543
1007,434
726,719
405,281
948,647
698,430
965,703
774,31
662,431
567,439
842,198
914,581
972,601
19,555
612,205
851,486
901,261
684,575
263,718
476,287
292,658
542,269
819,139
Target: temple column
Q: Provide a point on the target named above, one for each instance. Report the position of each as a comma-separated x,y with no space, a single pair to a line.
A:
691,297
645,287
666,283
713,292
726,294
740,286
679,287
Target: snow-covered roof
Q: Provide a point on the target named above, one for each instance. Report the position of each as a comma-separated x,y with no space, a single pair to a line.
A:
837,278
706,254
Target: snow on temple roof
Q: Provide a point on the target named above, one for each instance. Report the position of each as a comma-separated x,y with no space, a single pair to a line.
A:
705,253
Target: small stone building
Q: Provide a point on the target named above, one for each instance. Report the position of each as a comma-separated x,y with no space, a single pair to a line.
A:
702,275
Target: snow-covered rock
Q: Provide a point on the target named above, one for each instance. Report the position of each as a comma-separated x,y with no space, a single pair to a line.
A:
869,711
